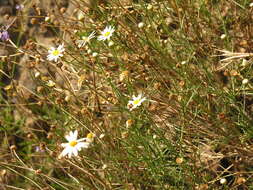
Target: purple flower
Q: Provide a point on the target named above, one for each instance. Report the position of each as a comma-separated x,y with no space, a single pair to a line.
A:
38,149
4,35
19,7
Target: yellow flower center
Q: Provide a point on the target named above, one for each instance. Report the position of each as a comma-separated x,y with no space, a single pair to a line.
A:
135,102
107,34
90,135
72,143
56,52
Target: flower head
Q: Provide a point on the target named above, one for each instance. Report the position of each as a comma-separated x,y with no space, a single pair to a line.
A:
106,33
132,104
73,145
90,137
85,40
39,149
55,53
4,35
19,7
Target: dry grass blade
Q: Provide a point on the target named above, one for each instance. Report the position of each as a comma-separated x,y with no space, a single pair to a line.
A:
230,56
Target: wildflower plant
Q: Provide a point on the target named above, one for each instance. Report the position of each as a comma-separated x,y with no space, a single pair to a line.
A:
65,121
106,34
4,35
135,102
74,145
55,53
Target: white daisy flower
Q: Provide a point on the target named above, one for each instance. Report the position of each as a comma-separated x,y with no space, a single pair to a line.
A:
106,33
132,104
85,40
73,145
54,54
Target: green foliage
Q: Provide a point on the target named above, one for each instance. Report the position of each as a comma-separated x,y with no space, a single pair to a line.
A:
193,129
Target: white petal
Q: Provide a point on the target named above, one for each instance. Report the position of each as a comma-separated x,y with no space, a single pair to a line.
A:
139,96
68,137
50,57
134,106
142,100
131,102
75,134
75,151
64,144
80,43
51,50
70,154
92,35
82,139
61,48
81,145
72,136
72,133
65,152
70,151
101,38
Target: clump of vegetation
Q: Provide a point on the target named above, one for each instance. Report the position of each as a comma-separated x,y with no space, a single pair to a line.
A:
130,94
